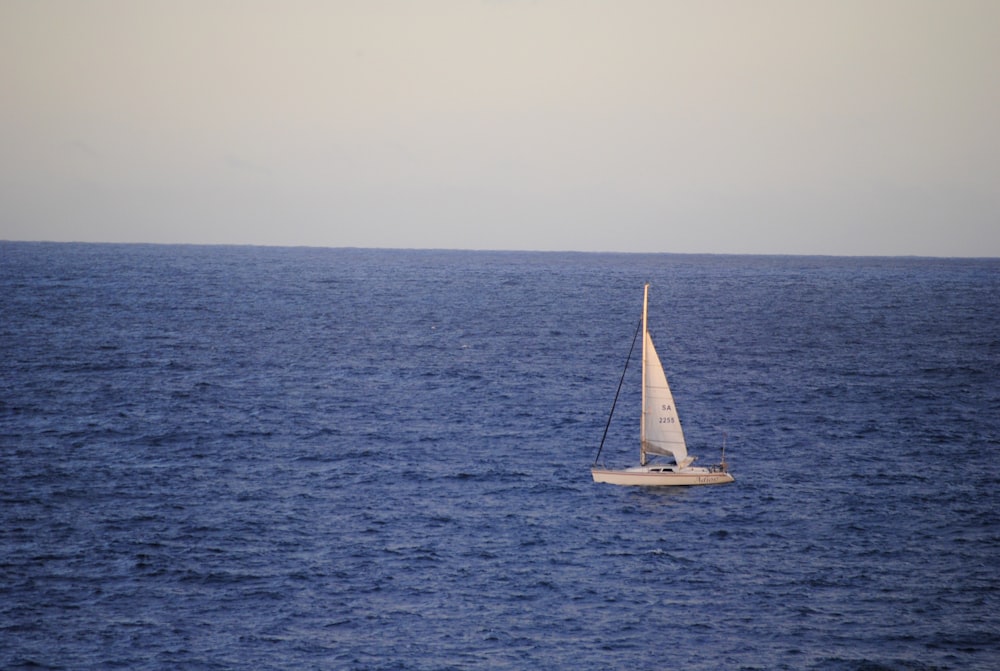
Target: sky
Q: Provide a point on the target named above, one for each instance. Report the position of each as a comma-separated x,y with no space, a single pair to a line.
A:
842,127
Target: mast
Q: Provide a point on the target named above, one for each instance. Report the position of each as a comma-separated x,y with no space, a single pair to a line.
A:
642,418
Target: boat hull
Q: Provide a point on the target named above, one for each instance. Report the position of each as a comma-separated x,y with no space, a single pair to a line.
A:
650,477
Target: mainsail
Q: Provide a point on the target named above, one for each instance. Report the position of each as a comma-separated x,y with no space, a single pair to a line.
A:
661,427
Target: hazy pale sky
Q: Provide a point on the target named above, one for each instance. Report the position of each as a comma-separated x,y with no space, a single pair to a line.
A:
742,126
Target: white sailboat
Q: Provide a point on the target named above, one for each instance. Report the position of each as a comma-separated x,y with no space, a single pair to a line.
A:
660,433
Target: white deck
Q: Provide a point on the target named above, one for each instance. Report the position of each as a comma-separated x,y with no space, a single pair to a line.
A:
659,476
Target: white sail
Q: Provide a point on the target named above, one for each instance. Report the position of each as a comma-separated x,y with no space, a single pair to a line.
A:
661,427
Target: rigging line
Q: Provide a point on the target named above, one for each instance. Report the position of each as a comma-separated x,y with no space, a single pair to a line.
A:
620,382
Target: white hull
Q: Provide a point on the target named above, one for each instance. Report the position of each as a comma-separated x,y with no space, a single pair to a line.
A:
657,476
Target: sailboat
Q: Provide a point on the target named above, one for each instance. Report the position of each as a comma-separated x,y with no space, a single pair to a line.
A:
660,433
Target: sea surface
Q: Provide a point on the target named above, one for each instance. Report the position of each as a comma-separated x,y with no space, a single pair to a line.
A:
301,458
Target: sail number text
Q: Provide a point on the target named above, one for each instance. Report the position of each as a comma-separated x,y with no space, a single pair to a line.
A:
666,420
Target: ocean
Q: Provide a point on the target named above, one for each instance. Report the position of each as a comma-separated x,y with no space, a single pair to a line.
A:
221,457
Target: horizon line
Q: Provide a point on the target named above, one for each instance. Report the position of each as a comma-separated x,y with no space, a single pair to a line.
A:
496,250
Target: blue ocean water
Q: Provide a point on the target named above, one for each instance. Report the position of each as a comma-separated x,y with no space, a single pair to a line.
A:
290,458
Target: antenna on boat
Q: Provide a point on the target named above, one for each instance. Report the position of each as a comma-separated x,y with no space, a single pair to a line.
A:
723,462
